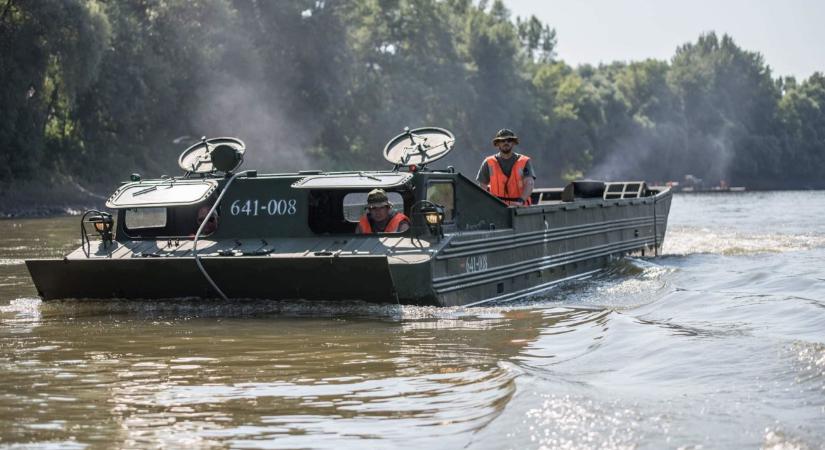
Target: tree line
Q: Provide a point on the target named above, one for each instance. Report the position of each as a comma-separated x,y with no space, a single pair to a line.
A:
96,89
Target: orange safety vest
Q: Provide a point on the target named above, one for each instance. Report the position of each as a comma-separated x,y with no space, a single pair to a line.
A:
392,225
508,189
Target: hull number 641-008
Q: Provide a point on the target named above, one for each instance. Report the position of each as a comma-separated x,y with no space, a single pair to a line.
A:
273,207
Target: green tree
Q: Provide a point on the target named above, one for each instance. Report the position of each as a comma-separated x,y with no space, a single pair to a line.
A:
50,55
730,105
802,111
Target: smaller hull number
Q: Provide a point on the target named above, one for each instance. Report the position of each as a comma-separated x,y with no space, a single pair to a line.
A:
475,263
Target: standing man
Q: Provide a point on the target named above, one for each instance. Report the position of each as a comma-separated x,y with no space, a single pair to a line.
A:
507,174
381,218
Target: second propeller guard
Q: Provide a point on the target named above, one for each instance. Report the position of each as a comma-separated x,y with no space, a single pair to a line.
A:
419,147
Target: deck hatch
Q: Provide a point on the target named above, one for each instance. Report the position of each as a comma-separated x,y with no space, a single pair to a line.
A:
360,180
166,193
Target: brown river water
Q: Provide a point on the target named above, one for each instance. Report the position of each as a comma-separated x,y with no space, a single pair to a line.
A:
719,343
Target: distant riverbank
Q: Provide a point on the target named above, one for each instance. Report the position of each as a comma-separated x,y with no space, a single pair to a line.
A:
46,198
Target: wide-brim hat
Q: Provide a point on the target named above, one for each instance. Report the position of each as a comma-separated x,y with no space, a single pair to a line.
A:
505,134
377,197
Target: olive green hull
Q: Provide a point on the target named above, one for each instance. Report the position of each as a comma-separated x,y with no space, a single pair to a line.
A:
319,278
551,244
545,245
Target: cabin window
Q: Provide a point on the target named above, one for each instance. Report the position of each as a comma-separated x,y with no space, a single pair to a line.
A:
166,222
145,218
337,211
443,193
356,202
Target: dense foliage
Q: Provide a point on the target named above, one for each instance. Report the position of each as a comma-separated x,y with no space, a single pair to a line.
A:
95,89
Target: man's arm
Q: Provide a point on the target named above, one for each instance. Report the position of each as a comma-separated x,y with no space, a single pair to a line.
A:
529,181
483,177
528,188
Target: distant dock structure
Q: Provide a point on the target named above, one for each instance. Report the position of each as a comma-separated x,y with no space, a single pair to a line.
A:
694,184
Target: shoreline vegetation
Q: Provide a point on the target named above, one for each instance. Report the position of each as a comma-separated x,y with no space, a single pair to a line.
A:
92,91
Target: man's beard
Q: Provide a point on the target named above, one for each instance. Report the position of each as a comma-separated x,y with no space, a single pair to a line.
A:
506,151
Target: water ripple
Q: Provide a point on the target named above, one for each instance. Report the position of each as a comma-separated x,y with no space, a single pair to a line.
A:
447,403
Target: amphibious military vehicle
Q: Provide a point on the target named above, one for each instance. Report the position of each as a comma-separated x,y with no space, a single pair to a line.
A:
292,235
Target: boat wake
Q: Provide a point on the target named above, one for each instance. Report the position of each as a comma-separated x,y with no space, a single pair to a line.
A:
624,284
685,240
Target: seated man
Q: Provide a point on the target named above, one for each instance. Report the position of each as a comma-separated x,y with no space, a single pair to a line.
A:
381,218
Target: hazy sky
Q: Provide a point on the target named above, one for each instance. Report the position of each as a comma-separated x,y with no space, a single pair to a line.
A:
790,34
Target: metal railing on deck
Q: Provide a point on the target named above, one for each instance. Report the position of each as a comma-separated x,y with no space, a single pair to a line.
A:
624,189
